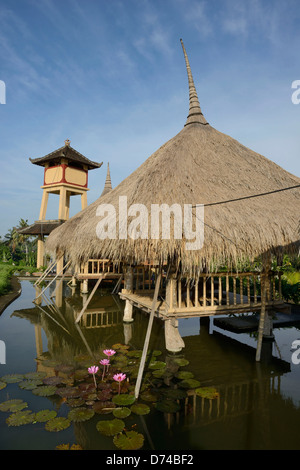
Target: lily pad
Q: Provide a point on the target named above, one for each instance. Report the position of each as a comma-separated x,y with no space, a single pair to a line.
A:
135,353
149,396
73,402
68,392
207,392
131,440
45,415
57,424
110,427
121,412
21,417
13,405
103,407
157,365
181,362
35,375
140,409
44,390
54,380
80,414
12,378
123,399
167,406
184,374
29,384
2,385
174,393
189,383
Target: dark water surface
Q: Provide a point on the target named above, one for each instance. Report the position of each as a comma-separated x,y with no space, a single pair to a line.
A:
258,405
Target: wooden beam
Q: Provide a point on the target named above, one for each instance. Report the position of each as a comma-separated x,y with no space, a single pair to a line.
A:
89,298
147,338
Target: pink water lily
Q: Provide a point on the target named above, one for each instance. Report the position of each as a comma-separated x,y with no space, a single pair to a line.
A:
105,363
119,378
109,352
93,370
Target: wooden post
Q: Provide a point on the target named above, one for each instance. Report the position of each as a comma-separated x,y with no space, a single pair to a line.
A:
128,281
147,338
261,318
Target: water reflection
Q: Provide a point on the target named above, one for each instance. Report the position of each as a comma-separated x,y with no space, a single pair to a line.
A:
249,411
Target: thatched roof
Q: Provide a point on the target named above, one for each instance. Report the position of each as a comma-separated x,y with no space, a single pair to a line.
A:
200,165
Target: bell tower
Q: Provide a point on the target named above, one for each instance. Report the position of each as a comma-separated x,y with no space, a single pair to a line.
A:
65,174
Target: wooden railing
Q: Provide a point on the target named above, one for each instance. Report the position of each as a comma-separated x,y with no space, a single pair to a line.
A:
211,293
95,267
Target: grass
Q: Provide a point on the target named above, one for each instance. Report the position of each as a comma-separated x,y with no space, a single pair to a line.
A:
6,273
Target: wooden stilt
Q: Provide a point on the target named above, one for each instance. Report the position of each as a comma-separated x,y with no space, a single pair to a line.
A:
89,298
261,318
147,338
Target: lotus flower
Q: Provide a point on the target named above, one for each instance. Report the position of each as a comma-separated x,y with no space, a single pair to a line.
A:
119,378
109,352
93,370
104,362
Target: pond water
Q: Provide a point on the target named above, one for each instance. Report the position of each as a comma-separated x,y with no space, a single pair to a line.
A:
256,405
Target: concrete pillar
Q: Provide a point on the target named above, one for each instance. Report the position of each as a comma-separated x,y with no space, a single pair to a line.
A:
84,286
174,342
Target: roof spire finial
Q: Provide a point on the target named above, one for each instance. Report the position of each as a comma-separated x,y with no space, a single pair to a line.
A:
107,186
195,114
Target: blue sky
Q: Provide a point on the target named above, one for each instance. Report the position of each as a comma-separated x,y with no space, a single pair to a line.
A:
110,76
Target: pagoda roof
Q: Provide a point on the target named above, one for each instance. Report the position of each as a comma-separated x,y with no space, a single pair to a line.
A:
67,152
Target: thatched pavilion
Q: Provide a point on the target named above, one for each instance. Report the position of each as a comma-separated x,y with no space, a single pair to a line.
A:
249,207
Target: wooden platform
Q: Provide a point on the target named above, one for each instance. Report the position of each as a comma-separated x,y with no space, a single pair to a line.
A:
143,301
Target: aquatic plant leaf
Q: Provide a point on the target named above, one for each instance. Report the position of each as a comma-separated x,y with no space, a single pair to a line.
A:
140,409
130,440
184,374
123,399
21,417
2,385
189,383
110,427
12,378
174,393
67,447
181,362
121,412
29,384
121,347
149,396
54,380
207,392
103,407
135,353
80,414
45,415
158,373
35,375
13,405
57,424
154,353
44,390
167,406
68,392
73,402
157,365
